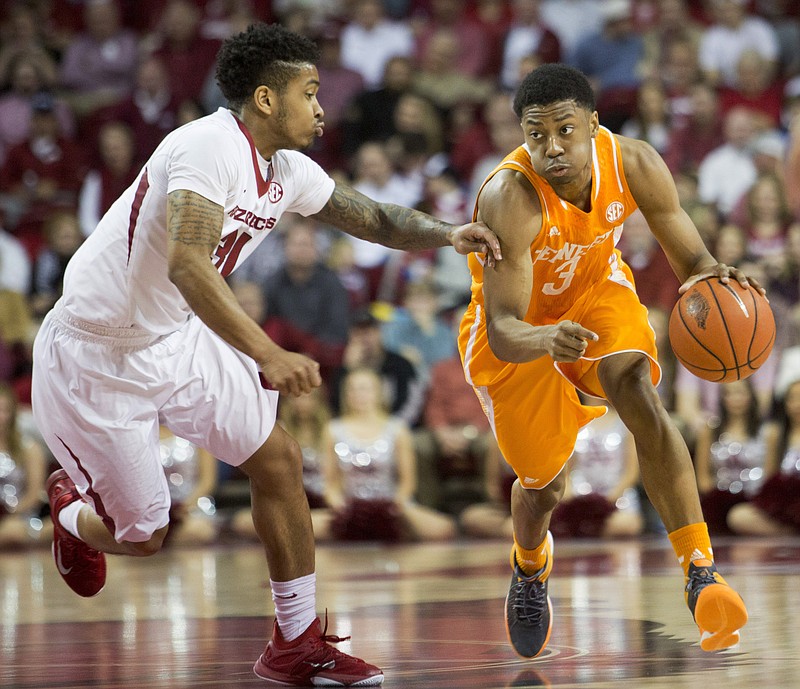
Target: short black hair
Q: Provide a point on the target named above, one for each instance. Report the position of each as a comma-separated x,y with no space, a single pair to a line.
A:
553,82
267,54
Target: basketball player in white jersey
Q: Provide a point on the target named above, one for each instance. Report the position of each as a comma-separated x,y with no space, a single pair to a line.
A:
148,333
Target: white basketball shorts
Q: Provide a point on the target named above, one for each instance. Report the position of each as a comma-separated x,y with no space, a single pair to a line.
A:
98,401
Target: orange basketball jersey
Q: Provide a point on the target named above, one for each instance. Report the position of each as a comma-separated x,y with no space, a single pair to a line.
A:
573,251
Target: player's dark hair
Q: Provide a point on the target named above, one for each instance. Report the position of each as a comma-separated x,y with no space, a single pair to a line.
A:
265,54
551,83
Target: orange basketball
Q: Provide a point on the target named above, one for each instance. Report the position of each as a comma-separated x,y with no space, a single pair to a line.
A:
721,332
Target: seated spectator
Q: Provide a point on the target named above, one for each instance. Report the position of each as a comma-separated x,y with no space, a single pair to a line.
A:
766,220
342,86
404,391
369,116
727,173
695,137
470,34
775,509
611,61
440,78
27,79
341,260
733,32
150,111
756,89
99,63
308,309
16,330
651,119
117,170
42,174
730,454
679,71
730,246
782,16
572,21
417,331
191,474
673,26
369,40
453,443
415,114
527,35
370,472
62,237
491,518
22,478
655,280
22,36
187,56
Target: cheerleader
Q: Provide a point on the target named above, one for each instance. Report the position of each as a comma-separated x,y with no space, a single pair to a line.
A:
775,509
730,454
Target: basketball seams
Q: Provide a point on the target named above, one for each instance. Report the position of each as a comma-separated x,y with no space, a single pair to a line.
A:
721,313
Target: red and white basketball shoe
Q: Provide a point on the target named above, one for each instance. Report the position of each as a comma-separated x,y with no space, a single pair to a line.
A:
82,567
310,660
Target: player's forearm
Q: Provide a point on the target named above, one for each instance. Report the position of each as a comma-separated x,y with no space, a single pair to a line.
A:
515,341
388,224
212,300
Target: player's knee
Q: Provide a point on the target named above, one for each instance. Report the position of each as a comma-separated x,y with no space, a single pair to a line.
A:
278,462
627,379
149,547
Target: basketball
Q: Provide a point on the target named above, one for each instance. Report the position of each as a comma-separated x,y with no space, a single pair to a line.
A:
721,332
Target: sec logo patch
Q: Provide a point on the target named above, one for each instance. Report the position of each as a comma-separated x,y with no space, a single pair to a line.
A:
275,192
614,211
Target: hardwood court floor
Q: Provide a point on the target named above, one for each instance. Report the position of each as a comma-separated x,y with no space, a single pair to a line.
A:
430,615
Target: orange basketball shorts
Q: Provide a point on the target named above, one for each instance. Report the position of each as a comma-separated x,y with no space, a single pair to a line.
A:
535,410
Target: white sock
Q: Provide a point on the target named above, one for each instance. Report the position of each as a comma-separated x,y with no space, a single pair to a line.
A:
68,517
295,604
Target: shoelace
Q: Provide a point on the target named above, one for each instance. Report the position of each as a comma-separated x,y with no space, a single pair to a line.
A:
700,577
529,600
331,638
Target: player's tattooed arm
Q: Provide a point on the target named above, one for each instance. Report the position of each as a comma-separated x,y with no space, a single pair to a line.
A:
385,223
399,227
193,221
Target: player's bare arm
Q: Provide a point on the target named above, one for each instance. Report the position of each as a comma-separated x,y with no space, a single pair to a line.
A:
194,226
509,205
652,186
399,227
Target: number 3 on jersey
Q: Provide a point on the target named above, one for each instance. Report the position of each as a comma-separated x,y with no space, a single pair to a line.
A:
228,250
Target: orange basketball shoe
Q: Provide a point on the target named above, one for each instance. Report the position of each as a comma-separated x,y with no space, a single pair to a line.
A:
310,660
717,609
82,567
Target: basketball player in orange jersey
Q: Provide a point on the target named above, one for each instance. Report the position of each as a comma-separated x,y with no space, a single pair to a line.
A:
560,312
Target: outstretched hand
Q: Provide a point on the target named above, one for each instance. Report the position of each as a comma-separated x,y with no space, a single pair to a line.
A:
291,374
477,237
724,273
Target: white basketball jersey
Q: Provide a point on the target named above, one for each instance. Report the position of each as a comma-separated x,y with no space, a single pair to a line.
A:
118,277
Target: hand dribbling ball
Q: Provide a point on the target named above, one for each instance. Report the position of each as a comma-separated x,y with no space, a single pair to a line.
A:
722,331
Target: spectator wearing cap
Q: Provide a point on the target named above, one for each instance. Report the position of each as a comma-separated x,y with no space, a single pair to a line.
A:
99,63
42,173
733,32
404,392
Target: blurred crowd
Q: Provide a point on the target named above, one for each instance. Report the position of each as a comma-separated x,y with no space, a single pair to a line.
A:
417,99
